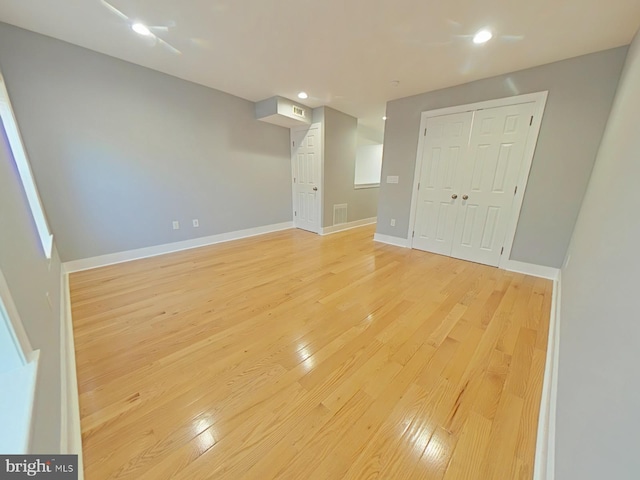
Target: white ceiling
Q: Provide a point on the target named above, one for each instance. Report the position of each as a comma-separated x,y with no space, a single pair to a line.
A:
344,53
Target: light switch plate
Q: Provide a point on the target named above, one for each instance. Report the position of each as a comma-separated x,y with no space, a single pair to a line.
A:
392,179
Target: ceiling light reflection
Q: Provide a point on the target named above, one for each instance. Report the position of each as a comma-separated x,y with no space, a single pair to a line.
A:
436,448
205,440
422,439
201,424
306,358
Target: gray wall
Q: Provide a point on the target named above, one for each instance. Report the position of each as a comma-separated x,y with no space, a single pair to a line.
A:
30,276
340,140
580,94
119,151
598,409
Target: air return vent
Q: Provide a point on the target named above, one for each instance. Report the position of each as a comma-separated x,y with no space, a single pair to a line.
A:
340,214
284,112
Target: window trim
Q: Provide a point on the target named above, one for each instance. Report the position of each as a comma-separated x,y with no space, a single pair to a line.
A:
9,315
19,376
24,169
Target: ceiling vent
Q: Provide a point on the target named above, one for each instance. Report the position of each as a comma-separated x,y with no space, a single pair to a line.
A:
284,112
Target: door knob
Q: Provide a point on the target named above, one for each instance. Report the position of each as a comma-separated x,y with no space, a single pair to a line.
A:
465,197
315,189
454,196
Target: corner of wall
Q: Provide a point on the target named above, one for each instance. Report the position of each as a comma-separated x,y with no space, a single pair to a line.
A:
544,466
70,431
391,240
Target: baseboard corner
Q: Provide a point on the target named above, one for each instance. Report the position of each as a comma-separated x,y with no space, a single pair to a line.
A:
391,240
532,269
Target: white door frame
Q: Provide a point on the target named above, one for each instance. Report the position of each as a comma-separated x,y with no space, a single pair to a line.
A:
320,193
540,100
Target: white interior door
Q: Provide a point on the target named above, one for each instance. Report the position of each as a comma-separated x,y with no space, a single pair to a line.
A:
444,154
488,181
306,167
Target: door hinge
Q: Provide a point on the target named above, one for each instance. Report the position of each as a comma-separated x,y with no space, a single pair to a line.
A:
425,132
515,190
418,185
295,214
293,144
294,179
413,234
531,121
501,250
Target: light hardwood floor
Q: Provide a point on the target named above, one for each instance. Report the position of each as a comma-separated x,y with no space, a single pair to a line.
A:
296,356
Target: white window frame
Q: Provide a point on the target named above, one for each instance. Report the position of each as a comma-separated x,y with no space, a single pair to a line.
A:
9,315
18,378
24,169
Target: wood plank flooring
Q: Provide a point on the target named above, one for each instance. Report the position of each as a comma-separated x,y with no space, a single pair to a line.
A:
296,356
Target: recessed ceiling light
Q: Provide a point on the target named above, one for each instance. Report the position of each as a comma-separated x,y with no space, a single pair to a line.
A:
141,29
482,36
303,95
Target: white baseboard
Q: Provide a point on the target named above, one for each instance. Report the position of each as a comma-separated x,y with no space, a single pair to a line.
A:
70,431
531,269
390,240
544,466
120,257
348,226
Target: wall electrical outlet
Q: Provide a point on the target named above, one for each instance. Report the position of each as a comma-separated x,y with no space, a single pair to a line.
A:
196,223
176,225
393,222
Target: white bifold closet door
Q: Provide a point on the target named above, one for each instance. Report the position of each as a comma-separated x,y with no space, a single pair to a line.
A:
471,164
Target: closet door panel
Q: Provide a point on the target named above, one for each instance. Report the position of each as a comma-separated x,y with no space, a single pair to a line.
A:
444,157
494,158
